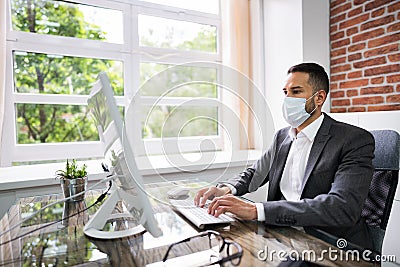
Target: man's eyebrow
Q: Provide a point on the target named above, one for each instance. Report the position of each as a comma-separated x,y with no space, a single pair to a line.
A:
293,88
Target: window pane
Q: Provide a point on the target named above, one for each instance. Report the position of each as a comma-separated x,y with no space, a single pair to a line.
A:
177,81
67,19
169,33
208,6
56,74
173,121
37,123
28,209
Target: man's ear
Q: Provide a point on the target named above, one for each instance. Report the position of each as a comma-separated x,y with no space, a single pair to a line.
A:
321,97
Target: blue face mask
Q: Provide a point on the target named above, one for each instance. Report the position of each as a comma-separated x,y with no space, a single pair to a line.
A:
294,110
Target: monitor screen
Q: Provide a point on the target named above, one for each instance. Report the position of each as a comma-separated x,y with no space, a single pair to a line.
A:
129,186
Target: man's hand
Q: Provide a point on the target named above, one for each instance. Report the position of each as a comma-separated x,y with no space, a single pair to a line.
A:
232,204
209,193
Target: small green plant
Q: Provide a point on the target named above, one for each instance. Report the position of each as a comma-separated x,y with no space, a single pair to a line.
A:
72,171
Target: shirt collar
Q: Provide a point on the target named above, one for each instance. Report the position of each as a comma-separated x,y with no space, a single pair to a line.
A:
310,131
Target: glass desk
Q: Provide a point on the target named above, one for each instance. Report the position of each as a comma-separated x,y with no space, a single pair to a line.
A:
64,244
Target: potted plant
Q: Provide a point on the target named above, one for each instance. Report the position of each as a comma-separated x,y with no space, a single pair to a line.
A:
73,180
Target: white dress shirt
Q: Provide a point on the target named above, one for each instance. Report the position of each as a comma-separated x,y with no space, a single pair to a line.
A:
293,173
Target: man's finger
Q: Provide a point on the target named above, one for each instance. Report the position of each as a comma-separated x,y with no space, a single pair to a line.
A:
210,193
222,209
217,202
199,195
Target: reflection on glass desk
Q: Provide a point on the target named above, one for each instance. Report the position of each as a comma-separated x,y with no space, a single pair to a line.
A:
64,244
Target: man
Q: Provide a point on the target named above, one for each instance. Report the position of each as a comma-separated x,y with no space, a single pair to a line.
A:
319,170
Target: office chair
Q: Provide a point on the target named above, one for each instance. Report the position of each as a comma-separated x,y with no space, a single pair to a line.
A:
383,186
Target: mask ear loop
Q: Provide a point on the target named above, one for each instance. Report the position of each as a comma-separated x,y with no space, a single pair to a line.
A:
312,96
315,105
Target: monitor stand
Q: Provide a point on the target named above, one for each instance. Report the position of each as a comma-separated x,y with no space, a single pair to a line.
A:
107,212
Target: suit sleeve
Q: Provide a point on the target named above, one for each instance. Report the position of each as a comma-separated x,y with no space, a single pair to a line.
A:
341,205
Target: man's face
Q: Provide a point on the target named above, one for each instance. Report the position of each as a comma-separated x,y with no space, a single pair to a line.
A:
297,86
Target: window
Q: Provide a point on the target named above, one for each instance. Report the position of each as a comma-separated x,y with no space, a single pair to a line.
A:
152,49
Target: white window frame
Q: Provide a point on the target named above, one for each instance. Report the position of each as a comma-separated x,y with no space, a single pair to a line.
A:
130,53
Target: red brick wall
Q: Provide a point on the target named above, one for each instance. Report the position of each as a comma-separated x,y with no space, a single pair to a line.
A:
365,55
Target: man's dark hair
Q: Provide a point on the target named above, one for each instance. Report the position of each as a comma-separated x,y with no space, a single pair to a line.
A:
318,78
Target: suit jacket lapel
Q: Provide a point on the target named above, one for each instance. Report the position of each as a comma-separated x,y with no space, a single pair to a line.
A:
320,141
280,164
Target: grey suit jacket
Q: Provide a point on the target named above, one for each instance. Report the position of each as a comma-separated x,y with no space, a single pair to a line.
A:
336,181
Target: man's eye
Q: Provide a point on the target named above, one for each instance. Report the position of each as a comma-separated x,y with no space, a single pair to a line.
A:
285,92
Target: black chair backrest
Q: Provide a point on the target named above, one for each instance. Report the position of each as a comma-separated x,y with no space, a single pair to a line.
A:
382,190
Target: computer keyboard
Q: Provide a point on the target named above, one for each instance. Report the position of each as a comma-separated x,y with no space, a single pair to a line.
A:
199,216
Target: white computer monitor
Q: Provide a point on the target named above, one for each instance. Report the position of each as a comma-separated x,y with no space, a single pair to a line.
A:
129,186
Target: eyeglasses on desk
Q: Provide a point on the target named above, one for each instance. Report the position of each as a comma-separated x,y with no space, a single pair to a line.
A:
222,251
